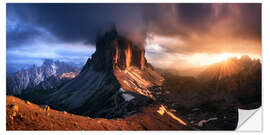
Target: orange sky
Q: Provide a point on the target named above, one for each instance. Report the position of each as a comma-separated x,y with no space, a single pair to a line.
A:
198,39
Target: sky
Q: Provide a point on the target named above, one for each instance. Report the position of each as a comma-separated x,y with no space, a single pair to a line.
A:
175,36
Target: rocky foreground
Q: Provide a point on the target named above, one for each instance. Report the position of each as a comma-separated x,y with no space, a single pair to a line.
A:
24,115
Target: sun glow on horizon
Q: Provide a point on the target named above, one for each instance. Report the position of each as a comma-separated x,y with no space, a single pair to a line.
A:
226,56
208,59
160,57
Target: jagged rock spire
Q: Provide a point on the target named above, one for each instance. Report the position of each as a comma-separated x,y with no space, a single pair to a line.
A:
115,50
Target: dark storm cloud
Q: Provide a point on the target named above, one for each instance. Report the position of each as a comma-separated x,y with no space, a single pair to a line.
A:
21,36
199,26
80,22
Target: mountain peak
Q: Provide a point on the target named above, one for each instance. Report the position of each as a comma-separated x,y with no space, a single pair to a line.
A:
115,82
114,50
48,62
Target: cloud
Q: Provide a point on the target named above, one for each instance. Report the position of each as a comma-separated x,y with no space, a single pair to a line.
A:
35,54
180,30
80,22
208,28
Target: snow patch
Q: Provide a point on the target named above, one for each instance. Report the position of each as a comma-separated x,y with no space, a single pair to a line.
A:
127,97
200,124
121,90
54,67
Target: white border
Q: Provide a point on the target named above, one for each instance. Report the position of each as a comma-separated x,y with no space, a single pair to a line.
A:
249,125
265,55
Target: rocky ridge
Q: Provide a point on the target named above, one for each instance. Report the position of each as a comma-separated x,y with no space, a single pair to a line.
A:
29,79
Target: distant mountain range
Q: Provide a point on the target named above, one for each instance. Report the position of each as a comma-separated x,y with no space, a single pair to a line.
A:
230,67
233,82
16,67
238,78
45,76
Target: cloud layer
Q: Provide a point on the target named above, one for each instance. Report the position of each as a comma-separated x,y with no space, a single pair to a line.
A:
183,29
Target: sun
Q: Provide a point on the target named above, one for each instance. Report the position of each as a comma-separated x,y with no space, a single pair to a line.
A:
223,56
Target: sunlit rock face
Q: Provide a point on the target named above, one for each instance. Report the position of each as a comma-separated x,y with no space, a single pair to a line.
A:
128,62
116,82
114,50
139,81
69,75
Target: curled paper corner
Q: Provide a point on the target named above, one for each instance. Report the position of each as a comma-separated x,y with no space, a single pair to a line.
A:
249,120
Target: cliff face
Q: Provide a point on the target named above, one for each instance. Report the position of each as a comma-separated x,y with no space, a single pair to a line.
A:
113,50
